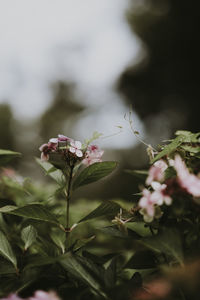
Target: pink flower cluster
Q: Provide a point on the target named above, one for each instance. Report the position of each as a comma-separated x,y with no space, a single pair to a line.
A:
71,149
156,172
160,193
92,155
187,181
39,295
151,200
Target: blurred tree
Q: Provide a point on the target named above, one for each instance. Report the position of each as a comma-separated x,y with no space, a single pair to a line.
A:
166,81
63,108
6,130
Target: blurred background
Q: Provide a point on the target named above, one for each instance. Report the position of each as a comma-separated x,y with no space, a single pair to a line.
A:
74,67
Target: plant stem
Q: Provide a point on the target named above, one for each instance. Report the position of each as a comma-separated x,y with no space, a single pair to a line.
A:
68,195
182,294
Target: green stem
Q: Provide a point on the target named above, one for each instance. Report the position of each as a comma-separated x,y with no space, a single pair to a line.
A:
68,195
182,294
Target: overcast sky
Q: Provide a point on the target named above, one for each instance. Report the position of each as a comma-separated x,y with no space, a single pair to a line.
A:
41,41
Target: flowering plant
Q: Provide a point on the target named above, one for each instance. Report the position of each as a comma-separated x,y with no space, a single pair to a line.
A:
111,249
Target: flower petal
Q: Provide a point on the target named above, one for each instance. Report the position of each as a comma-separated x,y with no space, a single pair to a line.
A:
72,143
53,140
78,144
72,149
79,153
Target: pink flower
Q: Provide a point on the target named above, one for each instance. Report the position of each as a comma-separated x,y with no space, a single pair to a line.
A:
60,138
156,172
147,203
75,147
151,201
47,148
188,181
41,295
63,138
93,155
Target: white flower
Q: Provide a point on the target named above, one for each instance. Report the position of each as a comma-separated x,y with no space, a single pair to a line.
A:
53,140
75,147
159,194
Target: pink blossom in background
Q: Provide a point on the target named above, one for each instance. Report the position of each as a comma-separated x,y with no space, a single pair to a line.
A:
41,295
75,147
93,155
147,203
156,289
159,194
151,200
188,181
156,172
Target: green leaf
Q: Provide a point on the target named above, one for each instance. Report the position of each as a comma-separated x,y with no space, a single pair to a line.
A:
139,228
58,237
33,211
51,171
140,174
169,148
94,172
191,149
113,231
29,235
143,259
183,132
168,242
80,243
7,208
98,259
6,250
188,136
84,270
6,268
110,276
37,261
3,225
7,155
104,209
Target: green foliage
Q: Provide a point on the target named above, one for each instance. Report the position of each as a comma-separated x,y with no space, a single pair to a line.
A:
29,235
140,174
170,148
94,172
185,140
105,209
85,271
6,250
160,243
51,171
7,155
32,211
110,251
143,259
